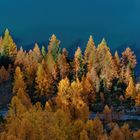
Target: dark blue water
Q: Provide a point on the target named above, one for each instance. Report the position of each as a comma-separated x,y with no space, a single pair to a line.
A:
73,21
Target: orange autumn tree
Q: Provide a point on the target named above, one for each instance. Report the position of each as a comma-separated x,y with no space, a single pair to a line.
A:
128,58
116,134
131,90
107,113
51,66
91,86
136,135
69,99
66,113
19,88
52,56
89,48
80,107
28,61
78,63
63,91
8,46
116,57
90,54
37,53
94,79
137,99
127,64
44,82
63,64
32,59
20,57
88,92
54,48
77,127
20,103
127,132
106,64
18,81
84,135
94,128
126,74
4,74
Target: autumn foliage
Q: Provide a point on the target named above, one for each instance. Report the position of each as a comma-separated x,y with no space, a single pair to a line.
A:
53,95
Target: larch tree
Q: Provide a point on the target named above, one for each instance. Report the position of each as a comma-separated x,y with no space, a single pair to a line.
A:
106,67
18,81
90,54
91,86
128,58
81,109
33,58
137,99
94,79
127,74
53,47
63,91
16,109
104,137
8,46
36,52
19,89
76,129
30,65
127,65
102,49
136,135
20,57
51,66
63,123
69,97
48,106
97,129
19,104
116,134
90,46
88,93
94,128
4,74
131,90
24,98
78,63
84,135
127,132
89,128
44,82
107,113
64,97
116,57
63,65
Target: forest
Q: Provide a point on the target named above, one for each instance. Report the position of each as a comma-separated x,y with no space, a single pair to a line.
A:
52,96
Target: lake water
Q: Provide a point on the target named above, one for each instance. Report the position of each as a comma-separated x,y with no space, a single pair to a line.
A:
73,21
